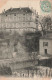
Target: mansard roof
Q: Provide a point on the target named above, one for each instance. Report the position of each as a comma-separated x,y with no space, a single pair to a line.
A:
18,10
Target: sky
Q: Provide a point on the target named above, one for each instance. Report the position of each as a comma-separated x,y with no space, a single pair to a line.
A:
35,4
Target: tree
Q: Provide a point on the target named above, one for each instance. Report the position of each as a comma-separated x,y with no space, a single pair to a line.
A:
46,23
32,41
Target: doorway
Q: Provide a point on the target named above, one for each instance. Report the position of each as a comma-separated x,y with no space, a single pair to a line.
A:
45,51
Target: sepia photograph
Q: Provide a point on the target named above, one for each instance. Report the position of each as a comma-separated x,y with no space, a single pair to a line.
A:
26,38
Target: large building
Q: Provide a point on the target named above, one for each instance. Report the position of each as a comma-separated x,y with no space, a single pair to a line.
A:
15,19
11,46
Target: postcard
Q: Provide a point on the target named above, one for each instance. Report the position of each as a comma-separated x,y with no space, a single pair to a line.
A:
25,39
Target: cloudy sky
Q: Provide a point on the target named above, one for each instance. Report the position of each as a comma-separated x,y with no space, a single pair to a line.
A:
35,4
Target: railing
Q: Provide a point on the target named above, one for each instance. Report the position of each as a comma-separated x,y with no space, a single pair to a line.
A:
43,71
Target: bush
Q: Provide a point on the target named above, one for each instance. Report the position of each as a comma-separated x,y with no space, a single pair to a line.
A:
5,70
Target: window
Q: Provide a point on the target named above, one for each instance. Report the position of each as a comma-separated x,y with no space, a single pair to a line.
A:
28,23
23,23
23,18
6,15
14,14
45,43
30,18
23,14
19,17
1,53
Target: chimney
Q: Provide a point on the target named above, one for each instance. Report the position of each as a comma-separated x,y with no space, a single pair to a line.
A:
11,8
42,33
32,8
35,11
4,11
20,8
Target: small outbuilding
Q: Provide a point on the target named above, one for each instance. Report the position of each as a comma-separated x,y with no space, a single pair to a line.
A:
45,44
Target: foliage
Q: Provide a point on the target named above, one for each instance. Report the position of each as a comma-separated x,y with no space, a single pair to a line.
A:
32,41
46,22
5,70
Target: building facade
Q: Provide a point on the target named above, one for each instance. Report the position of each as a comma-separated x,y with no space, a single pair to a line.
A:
45,46
5,49
15,19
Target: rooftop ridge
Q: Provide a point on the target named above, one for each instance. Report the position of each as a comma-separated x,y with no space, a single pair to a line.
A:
18,10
